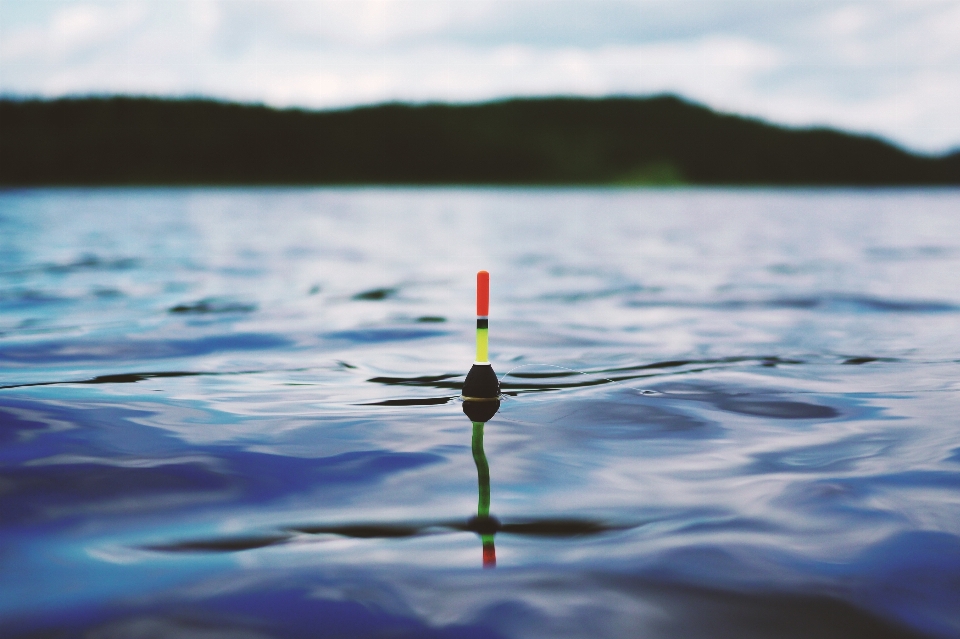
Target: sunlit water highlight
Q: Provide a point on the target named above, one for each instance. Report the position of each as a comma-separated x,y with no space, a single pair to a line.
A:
233,413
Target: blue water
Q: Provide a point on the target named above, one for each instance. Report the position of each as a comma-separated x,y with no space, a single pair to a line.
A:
234,413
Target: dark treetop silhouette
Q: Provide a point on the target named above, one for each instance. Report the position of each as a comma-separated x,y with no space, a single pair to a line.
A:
659,140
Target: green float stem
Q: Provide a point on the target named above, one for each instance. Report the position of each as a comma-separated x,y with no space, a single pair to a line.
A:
483,471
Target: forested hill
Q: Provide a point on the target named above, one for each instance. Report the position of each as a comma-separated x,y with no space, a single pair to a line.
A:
659,140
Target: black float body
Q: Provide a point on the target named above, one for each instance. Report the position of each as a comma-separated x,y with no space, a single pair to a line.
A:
481,393
481,383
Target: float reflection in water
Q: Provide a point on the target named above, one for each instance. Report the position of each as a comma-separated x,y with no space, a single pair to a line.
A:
483,524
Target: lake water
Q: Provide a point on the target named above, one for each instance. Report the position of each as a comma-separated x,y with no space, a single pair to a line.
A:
234,413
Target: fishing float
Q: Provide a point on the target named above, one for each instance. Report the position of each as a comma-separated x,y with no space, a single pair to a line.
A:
481,388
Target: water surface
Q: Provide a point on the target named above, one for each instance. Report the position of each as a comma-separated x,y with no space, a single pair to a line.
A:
233,413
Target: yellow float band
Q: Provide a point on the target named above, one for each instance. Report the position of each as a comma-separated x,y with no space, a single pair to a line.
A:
482,345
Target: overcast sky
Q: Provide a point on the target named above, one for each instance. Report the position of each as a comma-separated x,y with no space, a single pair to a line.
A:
885,67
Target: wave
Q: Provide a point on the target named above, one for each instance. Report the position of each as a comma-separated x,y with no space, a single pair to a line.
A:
834,303
132,350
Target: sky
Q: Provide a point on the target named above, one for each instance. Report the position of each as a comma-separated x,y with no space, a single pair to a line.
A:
885,67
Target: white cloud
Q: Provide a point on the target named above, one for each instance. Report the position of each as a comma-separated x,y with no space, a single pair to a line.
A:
70,31
887,67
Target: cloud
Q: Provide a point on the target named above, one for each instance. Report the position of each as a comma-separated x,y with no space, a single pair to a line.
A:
886,67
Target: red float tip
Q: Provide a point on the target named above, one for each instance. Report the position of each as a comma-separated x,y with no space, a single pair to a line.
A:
483,293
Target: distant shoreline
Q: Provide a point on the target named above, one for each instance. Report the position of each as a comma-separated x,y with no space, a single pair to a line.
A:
548,142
